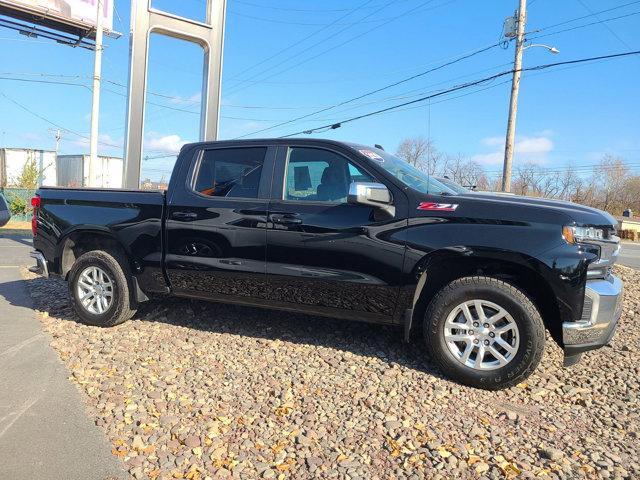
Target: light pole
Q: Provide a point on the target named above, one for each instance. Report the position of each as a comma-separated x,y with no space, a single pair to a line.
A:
94,172
553,50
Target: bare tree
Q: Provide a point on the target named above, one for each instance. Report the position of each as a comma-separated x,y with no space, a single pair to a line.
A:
525,179
569,183
466,172
610,187
611,174
421,153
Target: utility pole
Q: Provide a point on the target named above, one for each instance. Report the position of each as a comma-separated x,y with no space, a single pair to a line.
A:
57,134
94,171
513,104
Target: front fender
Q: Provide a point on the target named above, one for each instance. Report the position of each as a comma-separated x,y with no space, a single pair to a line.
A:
558,274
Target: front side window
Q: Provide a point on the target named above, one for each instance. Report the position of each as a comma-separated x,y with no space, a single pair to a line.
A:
318,175
230,172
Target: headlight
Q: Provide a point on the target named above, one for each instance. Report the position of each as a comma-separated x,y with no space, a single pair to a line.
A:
580,234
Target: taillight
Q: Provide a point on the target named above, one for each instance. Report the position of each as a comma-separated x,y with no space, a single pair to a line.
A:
35,203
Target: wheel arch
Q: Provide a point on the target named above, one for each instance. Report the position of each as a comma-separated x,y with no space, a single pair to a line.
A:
528,274
79,241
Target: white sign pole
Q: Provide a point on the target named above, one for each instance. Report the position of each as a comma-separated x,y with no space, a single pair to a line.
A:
95,173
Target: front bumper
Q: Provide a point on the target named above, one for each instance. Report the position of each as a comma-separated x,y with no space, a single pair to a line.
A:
601,312
41,264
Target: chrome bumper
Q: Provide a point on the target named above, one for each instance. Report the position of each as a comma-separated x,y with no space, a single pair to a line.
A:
601,312
41,264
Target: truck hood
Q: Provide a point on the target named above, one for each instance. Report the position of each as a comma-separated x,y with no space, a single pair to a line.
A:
580,214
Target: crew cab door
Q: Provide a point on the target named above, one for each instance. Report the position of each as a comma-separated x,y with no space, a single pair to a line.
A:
324,255
216,224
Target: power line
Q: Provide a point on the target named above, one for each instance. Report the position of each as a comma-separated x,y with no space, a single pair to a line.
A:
168,107
421,5
459,87
51,82
592,14
177,98
311,35
310,47
339,45
611,31
308,24
68,130
304,10
26,109
582,26
298,63
543,171
373,92
473,92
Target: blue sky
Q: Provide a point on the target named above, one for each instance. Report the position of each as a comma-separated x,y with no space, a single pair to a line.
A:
569,115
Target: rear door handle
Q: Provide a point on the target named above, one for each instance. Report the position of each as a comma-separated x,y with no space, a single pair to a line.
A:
285,218
185,216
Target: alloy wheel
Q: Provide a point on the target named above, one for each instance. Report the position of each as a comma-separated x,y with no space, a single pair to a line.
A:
95,290
481,335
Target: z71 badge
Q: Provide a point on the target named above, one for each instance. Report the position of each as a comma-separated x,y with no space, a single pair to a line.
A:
438,207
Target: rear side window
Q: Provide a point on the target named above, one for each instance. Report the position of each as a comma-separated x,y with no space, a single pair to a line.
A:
230,172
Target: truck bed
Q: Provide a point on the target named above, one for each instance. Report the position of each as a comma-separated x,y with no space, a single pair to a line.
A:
133,218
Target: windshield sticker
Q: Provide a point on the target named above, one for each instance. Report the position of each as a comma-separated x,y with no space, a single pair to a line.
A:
438,207
372,155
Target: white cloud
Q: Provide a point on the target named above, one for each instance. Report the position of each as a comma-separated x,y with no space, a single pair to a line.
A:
528,149
492,141
180,100
163,143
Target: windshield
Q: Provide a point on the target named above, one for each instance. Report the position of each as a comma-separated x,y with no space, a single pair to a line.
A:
453,185
406,173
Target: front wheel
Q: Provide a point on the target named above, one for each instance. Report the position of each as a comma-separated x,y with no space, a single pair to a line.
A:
484,332
99,288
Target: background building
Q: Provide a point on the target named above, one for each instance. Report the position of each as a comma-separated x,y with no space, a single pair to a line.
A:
73,171
14,160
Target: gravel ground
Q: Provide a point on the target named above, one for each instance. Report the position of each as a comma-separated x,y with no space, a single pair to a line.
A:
199,390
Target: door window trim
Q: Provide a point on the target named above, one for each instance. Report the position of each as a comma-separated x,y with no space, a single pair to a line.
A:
266,176
283,175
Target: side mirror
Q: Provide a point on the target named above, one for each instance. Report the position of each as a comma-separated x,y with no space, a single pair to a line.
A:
371,194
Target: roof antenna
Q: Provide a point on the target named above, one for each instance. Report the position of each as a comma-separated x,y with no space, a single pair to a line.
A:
379,147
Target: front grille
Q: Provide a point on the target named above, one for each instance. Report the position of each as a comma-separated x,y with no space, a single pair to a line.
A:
608,254
587,308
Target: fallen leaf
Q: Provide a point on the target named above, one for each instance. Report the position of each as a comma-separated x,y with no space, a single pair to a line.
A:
444,453
394,447
119,453
473,459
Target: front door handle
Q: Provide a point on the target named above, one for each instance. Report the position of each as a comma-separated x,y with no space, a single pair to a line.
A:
184,216
285,218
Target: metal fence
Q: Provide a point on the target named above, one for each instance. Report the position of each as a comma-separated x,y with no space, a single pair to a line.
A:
19,200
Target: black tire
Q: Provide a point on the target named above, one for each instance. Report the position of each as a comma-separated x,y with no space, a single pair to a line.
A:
120,310
525,314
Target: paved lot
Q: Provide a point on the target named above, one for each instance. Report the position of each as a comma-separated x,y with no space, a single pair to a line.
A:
45,432
630,255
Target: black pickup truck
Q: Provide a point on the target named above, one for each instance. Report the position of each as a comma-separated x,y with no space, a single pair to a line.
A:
346,231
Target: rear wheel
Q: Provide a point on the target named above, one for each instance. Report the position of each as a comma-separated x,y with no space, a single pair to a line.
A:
484,332
99,288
